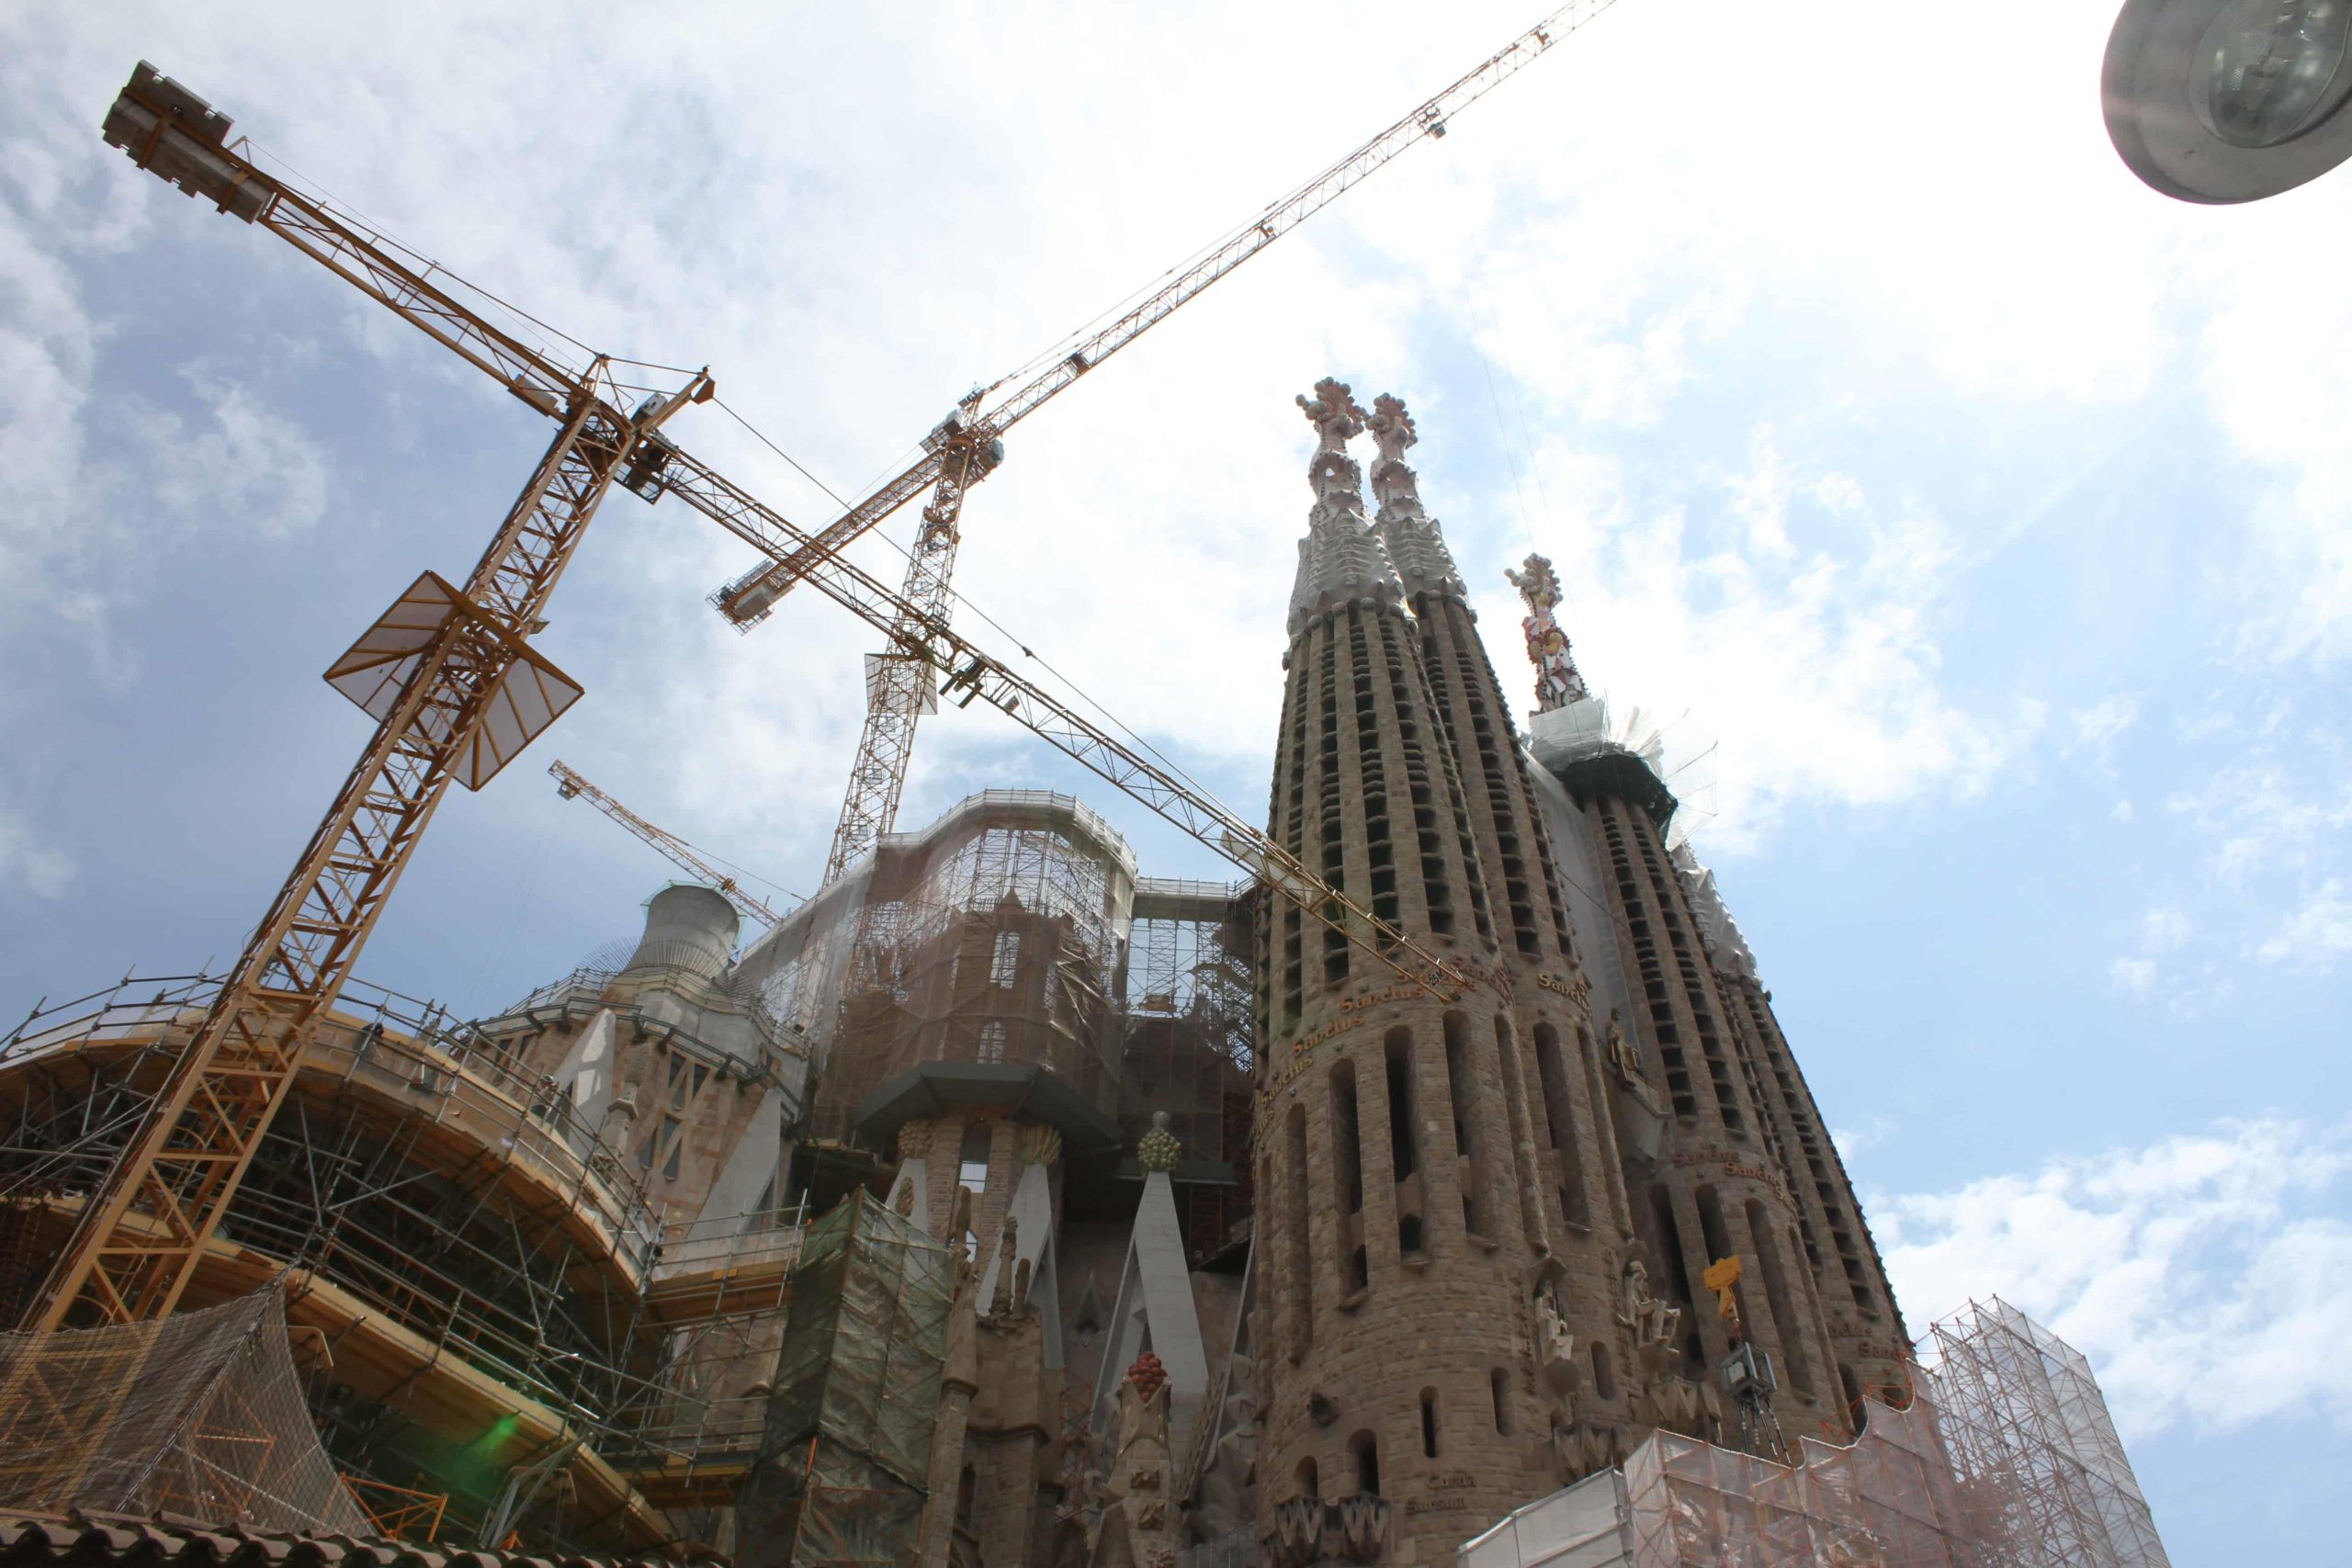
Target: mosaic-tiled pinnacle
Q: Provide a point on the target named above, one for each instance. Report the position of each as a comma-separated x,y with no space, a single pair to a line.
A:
1416,548
1339,559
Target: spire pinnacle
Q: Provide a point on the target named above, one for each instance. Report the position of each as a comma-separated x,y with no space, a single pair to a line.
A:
1339,559
1557,683
1415,545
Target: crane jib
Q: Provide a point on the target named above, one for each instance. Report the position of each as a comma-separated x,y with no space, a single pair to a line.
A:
748,599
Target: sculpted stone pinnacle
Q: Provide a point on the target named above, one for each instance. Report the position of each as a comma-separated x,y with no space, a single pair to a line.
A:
1334,413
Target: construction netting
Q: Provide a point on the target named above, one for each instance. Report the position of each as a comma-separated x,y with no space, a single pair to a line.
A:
1629,742
1888,1501
845,1450
994,935
2005,1458
200,1414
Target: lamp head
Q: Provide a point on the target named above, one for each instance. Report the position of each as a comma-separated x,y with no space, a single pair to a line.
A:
2226,101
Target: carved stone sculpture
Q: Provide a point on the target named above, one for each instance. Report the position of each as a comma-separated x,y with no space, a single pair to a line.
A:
1557,683
1333,412
1002,1301
1555,1347
1159,1148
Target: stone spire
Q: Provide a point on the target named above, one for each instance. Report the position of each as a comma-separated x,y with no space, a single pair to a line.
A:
1339,559
1557,683
1415,546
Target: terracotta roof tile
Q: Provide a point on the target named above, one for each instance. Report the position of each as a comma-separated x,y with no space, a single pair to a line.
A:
30,1540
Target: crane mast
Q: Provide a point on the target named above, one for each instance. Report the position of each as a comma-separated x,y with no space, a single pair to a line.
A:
570,785
966,447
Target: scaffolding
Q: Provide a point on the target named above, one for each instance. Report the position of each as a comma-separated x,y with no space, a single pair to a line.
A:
1188,1043
2003,1457
199,1414
2031,1436
453,1223
992,936
846,1446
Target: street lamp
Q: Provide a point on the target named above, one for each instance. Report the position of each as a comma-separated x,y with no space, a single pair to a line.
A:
2223,101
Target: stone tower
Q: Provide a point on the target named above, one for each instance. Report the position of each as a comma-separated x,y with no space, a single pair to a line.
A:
1426,1320
1550,1070
1723,1151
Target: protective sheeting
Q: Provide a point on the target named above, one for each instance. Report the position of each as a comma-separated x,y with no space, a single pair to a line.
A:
199,1415
993,936
1888,1501
2005,1458
847,1444
1587,735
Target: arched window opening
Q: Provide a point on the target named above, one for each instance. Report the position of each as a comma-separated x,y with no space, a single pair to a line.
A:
1403,1146
1364,1449
1466,1122
1347,1134
1559,1109
1296,1204
1712,1229
1781,1299
1428,1423
1500,1381
1310,1486
1605,1376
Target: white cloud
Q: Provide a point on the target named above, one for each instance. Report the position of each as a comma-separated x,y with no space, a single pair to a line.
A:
2259,812
248,466
1868,1133
2137,975
1814,667
2096,727
2122,812
2315,934
2163,930
2201,1274
40,868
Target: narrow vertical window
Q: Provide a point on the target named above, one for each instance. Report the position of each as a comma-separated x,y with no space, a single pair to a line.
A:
1559,1107
1006,959
1364,1449
1499,1381
1297,1210
1466,1121
1428,1423
1348,1152
1783,1301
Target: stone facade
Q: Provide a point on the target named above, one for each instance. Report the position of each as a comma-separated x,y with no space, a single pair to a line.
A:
1482,1221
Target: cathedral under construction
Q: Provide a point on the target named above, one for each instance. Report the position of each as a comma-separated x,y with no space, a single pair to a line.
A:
1004,1205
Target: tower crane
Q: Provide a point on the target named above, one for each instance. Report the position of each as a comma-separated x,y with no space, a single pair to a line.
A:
456,689
965,447
570,784
457,692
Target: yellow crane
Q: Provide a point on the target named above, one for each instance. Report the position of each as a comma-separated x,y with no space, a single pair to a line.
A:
570,785
457,692
965,447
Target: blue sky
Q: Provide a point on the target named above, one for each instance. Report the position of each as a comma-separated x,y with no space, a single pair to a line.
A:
1984,511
